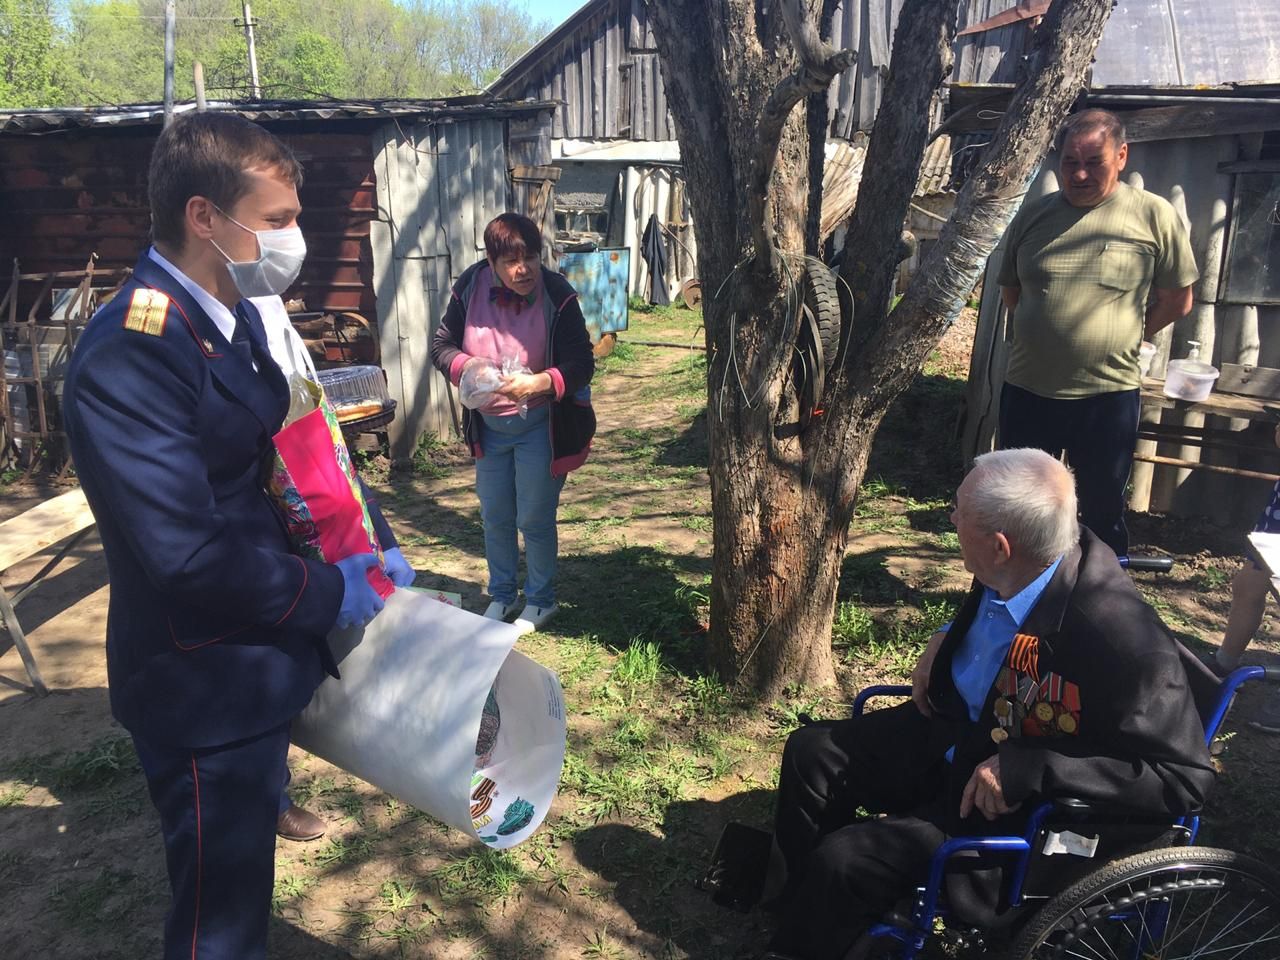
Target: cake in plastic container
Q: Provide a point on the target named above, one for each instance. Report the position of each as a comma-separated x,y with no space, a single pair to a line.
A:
355,392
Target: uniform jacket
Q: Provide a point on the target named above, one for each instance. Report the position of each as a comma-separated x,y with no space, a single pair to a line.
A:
1093,700
572,421
215,631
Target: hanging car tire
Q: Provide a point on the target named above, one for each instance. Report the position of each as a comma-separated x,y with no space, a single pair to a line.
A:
819,292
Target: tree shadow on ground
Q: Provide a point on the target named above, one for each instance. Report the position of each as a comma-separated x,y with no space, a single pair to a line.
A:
675,910
637,593
930,466
866,578
688,448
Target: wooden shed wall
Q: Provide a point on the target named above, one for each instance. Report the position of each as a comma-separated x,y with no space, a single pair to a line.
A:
64,197
588,68
438,186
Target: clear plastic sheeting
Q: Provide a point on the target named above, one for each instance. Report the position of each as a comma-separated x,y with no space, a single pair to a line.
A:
436,708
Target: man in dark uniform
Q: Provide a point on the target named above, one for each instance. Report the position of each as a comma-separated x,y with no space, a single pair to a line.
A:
1055,678
215,632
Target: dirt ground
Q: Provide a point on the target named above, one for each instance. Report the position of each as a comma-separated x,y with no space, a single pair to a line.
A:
660,753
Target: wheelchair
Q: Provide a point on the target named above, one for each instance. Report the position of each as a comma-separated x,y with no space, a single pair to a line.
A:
1171,900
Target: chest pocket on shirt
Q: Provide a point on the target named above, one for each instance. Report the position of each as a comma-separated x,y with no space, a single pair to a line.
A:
1126,265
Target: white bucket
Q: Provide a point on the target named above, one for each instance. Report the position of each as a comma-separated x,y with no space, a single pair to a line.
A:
1189,380
1146,353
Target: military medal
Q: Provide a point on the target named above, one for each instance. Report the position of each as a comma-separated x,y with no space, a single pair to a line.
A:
1067,723
1044,712
1003,708
999,734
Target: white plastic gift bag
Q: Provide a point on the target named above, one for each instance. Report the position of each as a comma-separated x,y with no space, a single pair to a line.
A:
436,708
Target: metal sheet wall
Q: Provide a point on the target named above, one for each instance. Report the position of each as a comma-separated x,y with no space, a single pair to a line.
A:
438,185
1145,43
866,26
66,196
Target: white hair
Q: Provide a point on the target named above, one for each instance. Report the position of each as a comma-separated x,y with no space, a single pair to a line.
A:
1029,497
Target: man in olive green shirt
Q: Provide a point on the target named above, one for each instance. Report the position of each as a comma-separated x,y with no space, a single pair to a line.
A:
1088,273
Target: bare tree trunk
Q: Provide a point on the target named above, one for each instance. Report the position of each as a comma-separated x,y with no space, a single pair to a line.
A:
782,497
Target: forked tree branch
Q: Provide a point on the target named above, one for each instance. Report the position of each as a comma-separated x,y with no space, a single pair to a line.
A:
820,63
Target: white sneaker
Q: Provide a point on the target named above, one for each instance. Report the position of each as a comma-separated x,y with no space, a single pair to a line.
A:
533,618
498,610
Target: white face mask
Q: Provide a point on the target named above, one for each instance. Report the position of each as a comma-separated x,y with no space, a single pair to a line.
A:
280,256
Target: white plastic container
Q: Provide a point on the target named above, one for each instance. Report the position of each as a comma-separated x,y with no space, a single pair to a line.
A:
1146,353
1190,379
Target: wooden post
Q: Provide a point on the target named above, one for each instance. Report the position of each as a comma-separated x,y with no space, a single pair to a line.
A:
170,29
201,105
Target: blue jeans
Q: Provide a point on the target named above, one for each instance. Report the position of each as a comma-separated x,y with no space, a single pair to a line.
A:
1098,434
517,491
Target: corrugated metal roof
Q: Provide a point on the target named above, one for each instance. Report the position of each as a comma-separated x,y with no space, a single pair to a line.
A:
64,118
1149,43
935,169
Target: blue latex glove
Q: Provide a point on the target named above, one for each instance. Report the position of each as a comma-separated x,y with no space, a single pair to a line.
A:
397,568
360,602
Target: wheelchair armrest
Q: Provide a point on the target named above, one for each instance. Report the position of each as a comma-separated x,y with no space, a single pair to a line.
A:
1076,810
880,690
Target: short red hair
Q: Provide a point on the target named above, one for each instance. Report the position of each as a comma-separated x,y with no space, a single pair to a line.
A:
512,235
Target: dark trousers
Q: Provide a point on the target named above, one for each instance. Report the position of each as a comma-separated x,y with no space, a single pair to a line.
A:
1097,433
218,809
842,875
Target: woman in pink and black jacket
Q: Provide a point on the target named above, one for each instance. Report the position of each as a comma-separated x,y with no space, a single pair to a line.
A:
510,306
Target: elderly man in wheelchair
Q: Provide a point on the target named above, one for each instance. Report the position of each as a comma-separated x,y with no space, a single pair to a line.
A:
1053,726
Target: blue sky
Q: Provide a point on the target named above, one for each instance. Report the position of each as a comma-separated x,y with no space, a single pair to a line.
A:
555,11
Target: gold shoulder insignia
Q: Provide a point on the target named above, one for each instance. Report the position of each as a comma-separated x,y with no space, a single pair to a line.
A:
147,311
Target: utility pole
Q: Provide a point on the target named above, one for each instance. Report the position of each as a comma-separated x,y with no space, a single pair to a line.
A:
170,23
253,52
201,104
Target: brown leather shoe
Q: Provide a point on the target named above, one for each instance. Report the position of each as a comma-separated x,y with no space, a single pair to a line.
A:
298,824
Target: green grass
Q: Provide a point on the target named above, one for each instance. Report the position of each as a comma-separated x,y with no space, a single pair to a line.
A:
600,946
105,762
1212,578
638,665
99,902
427,457
483,877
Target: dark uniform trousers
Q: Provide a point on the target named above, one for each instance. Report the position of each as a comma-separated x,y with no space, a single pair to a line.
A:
844,874
218,809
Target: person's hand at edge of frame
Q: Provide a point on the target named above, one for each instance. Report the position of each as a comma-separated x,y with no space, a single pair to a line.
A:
397,568
360,602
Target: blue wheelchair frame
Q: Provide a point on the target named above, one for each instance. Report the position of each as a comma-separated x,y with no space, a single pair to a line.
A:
1020,848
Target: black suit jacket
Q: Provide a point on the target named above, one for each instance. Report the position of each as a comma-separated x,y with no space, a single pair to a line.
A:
1096,702
215,631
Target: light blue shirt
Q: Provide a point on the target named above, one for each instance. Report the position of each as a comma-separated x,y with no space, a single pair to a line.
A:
986,643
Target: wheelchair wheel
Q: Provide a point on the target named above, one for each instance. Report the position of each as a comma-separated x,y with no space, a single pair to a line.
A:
1170,904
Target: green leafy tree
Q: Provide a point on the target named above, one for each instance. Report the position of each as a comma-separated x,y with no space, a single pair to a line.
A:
106,54
27,54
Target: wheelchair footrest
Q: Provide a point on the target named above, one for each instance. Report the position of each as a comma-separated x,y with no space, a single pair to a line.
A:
739,863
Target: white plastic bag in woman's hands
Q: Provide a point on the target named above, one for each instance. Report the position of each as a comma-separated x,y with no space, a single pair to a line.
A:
479,383
510,367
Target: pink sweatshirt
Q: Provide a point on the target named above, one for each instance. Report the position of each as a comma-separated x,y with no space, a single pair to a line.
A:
498,331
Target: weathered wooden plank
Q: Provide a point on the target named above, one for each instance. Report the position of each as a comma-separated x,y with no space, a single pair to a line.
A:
39,528
1249,380
1198,120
